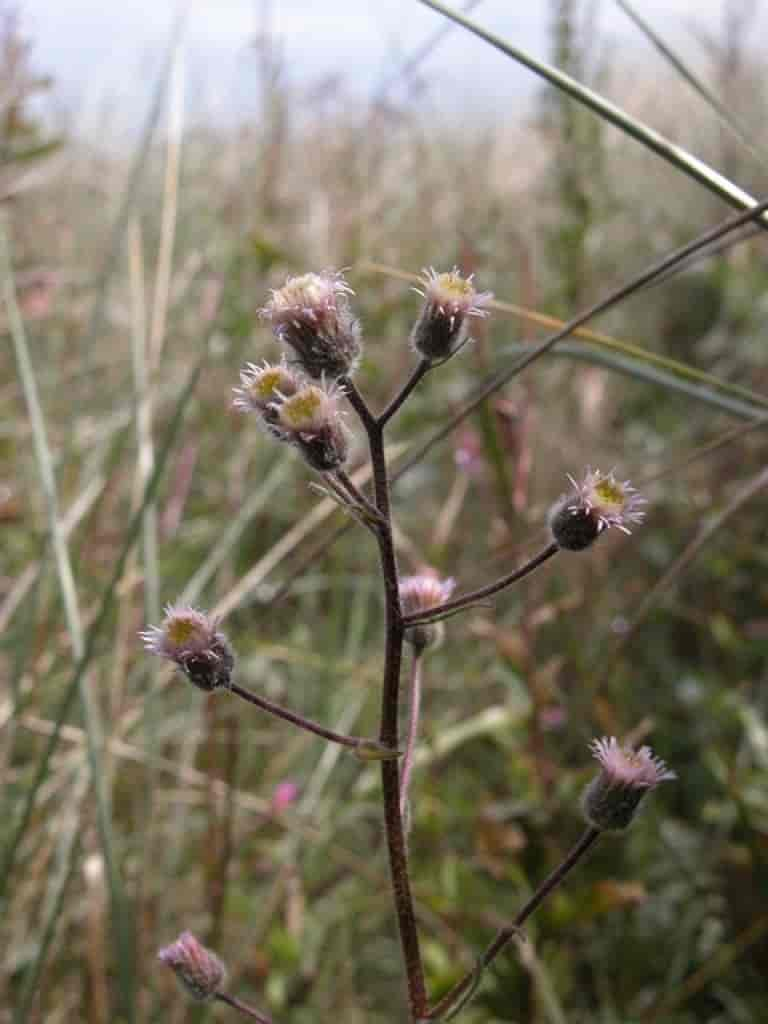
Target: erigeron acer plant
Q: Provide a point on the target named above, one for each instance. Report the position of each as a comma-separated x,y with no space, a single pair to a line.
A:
300,401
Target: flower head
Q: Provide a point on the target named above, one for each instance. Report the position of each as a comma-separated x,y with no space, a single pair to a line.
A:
449,299
626,775
598,502
264,387
419,594
199,971
311,315
192,641
310,419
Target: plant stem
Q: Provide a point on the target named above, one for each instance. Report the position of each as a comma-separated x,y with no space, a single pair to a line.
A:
441,611
507,933
413,732
296,719
246,1010
388,735
421,370
357,496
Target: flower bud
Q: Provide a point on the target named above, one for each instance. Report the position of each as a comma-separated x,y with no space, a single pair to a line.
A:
311,315
199,971
419,594
610,801
311,420
597,503
191,640
449,299
264,388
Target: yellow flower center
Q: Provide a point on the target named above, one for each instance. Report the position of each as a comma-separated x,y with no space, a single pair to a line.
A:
609,492
302,410
268,383
307,290
180,631
454,286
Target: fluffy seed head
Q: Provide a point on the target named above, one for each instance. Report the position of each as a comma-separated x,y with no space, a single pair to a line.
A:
595,504
311,420
311,315
418,594
264,388
626,775
192,641
449,299
199,971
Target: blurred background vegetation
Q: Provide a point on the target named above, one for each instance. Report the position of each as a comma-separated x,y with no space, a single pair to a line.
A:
134,807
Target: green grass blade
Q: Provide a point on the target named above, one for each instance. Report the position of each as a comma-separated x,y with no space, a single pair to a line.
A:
91,716
632,367
132,534
69,845
724,115
653,140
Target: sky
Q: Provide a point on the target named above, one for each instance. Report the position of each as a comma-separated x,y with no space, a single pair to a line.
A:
101,52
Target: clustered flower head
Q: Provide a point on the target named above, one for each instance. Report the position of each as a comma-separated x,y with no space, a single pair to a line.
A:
192,641
449,300
199,971
598,502
294,410
420,593
626,775
311,315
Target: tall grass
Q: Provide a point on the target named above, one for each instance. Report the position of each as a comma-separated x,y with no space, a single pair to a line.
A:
138,283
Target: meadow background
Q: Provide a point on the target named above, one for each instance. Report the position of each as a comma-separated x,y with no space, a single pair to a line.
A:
133,806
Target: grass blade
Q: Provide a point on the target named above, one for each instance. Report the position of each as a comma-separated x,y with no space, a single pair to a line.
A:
724,115
653,140
91,716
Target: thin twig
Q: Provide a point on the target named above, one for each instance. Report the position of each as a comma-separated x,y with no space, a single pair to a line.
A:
421,370
506,934
441,611
291,716
244,1008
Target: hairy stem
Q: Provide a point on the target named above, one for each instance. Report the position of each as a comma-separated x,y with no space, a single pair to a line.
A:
291,716
244,1008
506,934
441,611
421,370
388,735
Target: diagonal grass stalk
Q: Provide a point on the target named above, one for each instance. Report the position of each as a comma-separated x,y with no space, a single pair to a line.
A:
724,115
669,151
